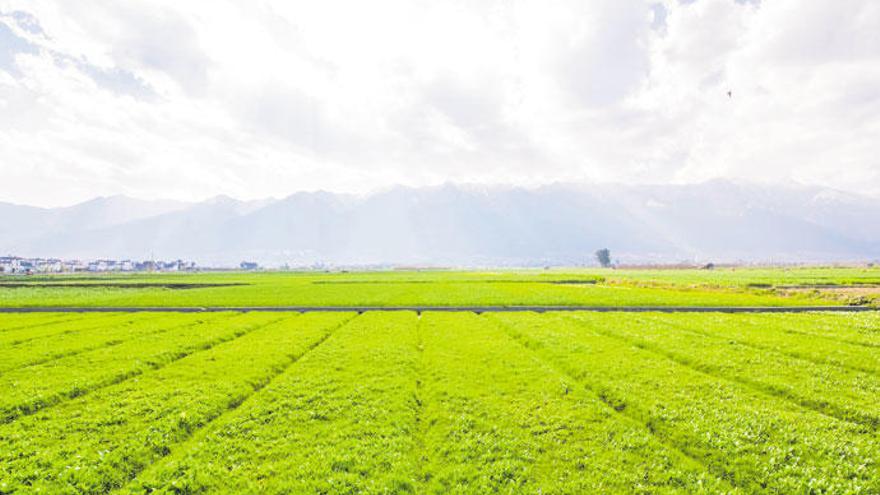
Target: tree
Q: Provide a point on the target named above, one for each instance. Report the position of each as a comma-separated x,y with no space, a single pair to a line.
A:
603,256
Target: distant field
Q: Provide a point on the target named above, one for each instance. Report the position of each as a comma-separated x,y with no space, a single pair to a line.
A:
750,277
390,402
741,287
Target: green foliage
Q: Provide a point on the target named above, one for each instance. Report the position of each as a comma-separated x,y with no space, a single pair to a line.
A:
99,441
725,351
166,339
497,420
341,420
50,325
394,402
759,441
431,288
77,338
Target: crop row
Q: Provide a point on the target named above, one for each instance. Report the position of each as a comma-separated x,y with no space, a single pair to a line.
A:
785,337
855,328
74,341
498,420
757,441
52,327
340,420
448,404
830,389
18,321
101,441
35,387
445,403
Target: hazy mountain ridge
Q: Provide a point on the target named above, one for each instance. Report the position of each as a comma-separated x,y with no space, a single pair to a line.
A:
557,224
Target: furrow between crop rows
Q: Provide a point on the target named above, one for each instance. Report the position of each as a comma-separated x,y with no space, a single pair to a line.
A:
420,430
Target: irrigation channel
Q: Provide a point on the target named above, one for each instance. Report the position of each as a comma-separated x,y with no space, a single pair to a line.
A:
469,309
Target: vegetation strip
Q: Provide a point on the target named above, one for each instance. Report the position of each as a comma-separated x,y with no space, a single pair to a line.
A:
50,331
817,349
43,350
499,420
621,288
101,441
858,329
532,347
861,329
840,393
27,321
761,443
34,388
340,420
327,330
470,309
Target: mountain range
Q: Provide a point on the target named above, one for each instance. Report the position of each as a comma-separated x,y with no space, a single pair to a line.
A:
464,225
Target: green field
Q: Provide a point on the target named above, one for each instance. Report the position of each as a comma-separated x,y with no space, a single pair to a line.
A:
722,287
438,402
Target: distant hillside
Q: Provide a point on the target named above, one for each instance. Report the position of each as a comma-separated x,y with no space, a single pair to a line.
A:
463,225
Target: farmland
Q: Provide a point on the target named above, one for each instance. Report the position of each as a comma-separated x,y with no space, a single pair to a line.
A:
438,402
722,287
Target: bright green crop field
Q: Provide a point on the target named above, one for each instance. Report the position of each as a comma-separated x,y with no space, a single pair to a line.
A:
721,287
437,402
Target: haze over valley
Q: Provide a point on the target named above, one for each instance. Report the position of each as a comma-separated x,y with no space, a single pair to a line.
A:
464,225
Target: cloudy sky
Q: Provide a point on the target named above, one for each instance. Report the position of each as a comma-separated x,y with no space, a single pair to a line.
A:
190,99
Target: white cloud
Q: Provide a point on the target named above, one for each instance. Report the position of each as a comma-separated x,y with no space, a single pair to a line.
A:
191,99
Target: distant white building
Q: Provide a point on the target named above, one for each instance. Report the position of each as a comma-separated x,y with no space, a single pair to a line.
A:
51,265
9,264
19,265
74,266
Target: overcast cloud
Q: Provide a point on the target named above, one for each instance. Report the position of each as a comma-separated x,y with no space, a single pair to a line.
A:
189,99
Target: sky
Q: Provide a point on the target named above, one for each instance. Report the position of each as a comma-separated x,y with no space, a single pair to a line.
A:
191,99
